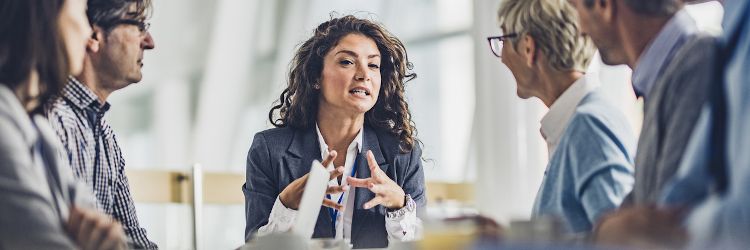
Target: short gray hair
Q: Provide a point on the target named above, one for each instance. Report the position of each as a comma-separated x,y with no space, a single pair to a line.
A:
554,26
104,12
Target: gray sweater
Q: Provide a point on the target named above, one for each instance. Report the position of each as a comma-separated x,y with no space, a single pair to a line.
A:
671,112
37,188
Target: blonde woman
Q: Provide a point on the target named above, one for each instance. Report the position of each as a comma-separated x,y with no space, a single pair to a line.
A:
590,144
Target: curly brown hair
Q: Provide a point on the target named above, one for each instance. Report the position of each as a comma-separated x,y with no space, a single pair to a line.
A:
297,106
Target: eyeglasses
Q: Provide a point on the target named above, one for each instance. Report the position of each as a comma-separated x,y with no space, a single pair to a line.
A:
496,43
142,26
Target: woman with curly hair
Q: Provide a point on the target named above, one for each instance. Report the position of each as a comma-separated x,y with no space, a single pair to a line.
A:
344,103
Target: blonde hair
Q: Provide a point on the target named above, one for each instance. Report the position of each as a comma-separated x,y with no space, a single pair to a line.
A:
554,26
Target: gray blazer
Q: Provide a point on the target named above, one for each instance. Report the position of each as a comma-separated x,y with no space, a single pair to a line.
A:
34,199
670,114
281,155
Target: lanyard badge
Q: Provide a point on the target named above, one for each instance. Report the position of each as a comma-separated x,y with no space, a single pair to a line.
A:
333,212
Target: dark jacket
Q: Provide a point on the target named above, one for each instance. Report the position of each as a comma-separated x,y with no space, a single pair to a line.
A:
281,155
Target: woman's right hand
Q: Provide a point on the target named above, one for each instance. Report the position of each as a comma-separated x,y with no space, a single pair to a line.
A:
292,194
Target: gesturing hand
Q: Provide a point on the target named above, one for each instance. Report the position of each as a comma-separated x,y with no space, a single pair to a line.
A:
292,194
387,192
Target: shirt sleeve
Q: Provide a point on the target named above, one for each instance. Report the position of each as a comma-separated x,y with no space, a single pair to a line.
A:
404,225
603,167
407,226
124,211
605,191
280,220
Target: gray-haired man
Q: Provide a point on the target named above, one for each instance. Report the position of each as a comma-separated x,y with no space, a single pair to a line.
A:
113,61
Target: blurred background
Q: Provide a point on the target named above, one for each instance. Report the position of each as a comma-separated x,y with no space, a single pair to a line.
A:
219,65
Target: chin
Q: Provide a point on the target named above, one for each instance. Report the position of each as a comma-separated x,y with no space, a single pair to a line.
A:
135,78
522,95
606,60
363,108
525,97
609,59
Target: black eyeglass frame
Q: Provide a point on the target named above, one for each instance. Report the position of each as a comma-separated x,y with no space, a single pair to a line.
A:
142,26
501,40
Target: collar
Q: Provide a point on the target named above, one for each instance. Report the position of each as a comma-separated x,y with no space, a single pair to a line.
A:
660,51
561,111
354,146
83,97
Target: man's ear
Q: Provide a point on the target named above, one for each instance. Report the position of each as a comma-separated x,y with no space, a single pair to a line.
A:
94,42
529,50
606,9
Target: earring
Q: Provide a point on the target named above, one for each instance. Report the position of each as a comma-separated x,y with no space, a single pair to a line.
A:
316,85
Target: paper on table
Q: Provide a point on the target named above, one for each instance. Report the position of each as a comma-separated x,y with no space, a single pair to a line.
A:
312,199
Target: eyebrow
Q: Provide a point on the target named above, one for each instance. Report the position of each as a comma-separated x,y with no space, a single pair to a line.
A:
352,53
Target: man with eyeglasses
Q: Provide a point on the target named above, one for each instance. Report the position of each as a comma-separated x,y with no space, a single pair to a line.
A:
113,61
591,145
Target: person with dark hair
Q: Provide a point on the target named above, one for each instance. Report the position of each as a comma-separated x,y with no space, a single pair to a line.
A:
42,206
671,63
344,103
114,58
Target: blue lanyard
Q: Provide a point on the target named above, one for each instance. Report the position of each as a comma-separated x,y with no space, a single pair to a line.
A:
333,212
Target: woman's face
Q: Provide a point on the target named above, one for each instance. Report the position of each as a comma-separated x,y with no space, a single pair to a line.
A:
350,81
75,30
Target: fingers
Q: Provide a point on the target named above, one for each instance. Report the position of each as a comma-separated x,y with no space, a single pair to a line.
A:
115,238
93,230
97,234
374,202
74,222
331,156
332,204
86,227
357,182
336,172
337,189
373,164
376,188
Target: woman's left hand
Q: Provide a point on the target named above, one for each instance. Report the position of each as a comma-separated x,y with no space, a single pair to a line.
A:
387,192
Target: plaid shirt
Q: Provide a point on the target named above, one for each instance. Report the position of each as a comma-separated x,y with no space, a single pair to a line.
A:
95,156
